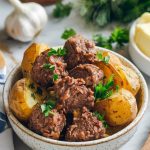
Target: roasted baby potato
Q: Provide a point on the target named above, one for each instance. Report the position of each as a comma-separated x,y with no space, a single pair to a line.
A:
30,55
23,97
119,109
111,68
123,76
131,82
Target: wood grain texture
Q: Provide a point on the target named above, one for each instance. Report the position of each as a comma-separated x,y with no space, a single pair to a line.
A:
147,144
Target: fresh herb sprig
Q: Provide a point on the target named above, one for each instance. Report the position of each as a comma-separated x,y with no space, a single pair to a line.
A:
57,52
102,41
103,12
68,33
119,36
55,77
101,118
100,56
103,91
47,107
62,10
48,66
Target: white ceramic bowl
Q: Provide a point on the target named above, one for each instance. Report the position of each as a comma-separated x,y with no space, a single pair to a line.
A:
140,59
112,142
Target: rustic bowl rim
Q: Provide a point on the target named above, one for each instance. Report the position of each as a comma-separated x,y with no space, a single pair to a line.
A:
78,144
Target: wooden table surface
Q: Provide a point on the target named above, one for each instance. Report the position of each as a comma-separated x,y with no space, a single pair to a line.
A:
14,50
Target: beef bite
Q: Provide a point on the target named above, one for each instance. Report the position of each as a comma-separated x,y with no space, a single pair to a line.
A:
50,126
79,51
45,67
85,127
73,94
91,74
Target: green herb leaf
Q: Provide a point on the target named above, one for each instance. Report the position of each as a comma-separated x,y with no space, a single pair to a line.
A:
62,10
101,118
105,59
103,91
102,41
119,36
55,77
57,52
117,88
61,52
68,33
47,107
49,66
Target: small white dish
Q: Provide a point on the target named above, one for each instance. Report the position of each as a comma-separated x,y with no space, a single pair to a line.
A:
113,142
140,59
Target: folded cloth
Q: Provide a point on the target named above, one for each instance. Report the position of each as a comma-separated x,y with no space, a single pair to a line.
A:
6,139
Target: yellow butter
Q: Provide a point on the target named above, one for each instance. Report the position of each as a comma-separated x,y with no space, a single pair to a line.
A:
142,34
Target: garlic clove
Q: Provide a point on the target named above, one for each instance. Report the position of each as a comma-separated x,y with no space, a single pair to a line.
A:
25,23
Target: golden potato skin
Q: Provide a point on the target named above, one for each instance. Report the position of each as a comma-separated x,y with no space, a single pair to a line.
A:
119,109
30,55
123,76
21,101
112,67
132,82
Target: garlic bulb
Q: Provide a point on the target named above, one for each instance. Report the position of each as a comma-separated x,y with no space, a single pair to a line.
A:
26,21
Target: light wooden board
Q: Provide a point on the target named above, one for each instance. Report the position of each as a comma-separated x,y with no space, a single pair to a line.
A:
147,144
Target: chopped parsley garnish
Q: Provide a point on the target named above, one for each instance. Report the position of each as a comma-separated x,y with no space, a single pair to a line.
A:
31,86
103,91
68,33
105,59
117,88
55,77
118,38
49,66
39,91
57,52
101,118
33,95
47,107
102,41
62,10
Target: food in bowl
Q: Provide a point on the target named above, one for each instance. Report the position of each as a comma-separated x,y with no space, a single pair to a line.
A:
85,94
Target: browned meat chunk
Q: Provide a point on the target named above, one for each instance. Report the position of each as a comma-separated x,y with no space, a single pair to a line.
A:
45,67
73,94
85,127
79,51
50,126
91,74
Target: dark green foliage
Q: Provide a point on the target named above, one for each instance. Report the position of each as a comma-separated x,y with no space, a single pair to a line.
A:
119,36
68,33
62,10
101,12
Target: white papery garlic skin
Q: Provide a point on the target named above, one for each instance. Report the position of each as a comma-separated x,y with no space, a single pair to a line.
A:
26,21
